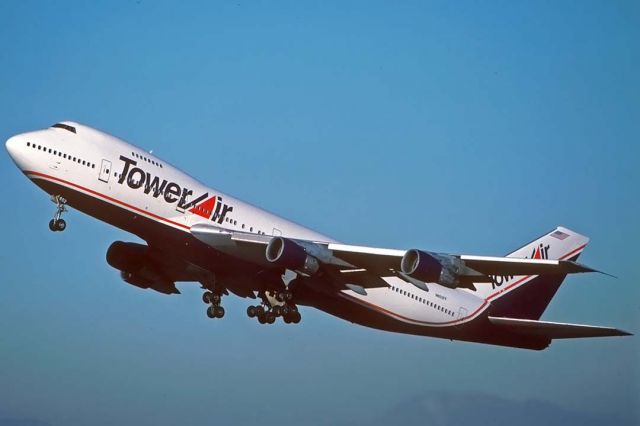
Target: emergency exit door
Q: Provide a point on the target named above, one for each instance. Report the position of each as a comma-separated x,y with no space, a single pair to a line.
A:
105,171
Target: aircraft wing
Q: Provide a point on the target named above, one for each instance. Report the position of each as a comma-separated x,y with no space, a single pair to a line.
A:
389,259
554,330
371,262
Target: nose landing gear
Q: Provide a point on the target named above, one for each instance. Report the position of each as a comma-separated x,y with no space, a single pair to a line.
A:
57,224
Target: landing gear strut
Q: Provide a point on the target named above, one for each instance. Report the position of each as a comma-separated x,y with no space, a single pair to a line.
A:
275,304
57,223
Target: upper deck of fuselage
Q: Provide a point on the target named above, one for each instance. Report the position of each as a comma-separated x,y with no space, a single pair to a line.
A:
77,152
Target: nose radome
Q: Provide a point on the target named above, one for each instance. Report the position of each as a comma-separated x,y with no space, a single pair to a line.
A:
12,145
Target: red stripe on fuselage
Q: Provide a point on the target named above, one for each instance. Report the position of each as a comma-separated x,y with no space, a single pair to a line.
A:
106,197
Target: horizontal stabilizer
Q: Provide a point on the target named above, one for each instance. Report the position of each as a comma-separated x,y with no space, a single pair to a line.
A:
554,330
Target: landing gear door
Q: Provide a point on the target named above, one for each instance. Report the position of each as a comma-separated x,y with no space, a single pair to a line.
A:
105,171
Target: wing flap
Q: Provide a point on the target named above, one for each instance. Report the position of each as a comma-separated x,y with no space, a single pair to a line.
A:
554,330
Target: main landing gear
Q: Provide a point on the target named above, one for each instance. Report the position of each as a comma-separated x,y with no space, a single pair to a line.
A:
213,299
57,223
278,304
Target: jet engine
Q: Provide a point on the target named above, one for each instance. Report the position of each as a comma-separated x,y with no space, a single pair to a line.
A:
291,255
138,268
432,268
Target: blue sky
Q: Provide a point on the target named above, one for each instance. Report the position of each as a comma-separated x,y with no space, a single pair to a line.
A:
463,127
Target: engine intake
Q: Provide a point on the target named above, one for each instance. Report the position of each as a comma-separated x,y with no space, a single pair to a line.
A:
130,257
291,255
138,268
432,268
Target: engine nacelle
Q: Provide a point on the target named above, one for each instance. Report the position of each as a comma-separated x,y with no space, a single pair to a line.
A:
137,268
291,255
130,257
432,268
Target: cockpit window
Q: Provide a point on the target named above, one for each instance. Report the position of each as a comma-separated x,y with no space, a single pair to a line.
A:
65,127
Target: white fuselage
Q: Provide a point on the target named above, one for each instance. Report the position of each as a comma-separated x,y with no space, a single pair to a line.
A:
106,168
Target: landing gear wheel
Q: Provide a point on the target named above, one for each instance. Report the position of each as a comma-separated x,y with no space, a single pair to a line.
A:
286,310
219,311
211,312
56,225
287,319
207,297
251,311
262,319
270,317
295,317
259,311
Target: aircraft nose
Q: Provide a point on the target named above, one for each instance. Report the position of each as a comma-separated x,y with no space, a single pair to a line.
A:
12,146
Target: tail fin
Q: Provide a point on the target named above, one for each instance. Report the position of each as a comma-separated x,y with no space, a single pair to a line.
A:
528,296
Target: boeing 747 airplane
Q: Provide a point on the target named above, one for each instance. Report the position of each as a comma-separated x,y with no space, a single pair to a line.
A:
198,234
